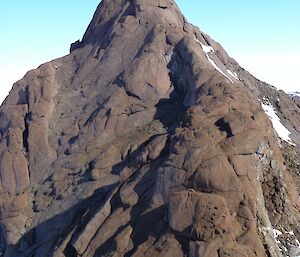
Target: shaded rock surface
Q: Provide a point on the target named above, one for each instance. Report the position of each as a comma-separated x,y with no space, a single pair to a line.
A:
136,145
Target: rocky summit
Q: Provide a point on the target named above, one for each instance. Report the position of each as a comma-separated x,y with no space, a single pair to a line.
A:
148,140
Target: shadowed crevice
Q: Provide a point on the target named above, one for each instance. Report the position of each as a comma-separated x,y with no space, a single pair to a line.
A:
224,127
25,134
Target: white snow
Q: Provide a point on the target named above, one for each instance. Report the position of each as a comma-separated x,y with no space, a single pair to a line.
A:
297,242
207,50
233,74
276,232
297,94
217,68
281,130
167,56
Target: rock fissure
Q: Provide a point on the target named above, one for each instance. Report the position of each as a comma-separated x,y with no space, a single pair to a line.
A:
26,132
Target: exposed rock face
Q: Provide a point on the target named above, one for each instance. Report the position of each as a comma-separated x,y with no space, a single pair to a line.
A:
147,140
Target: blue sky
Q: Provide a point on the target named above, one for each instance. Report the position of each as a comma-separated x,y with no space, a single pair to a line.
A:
259,25
264,36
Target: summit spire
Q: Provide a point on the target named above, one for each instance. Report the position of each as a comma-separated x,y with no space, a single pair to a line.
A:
110,13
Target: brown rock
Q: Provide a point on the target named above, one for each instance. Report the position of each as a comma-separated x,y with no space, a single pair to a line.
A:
135,145
199,216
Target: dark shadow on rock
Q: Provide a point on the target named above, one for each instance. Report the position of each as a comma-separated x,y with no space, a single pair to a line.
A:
42,238
145,223
171,111
224,127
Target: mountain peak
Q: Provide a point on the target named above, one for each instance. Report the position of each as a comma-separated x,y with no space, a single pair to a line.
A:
121,12
147,140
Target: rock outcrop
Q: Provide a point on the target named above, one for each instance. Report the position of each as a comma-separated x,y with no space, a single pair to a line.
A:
147,140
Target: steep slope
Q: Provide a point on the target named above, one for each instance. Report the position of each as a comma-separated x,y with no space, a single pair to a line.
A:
147,140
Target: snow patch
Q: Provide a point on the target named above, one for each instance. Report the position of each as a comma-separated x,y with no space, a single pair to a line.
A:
296,94
291,233
276,232
280,238
167,56
233,74
281,130
298,243
206,49
217,68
